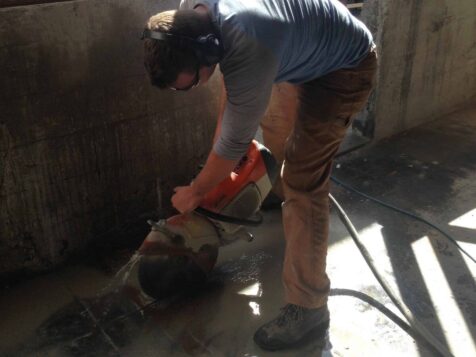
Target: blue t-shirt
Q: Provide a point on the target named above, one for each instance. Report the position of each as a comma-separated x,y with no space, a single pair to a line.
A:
270,41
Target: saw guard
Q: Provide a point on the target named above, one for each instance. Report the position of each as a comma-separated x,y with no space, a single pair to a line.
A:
182,250
256,167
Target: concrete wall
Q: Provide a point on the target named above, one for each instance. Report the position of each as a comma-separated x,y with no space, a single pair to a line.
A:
427,60
84,138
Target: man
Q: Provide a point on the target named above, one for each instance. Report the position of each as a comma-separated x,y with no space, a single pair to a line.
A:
327,59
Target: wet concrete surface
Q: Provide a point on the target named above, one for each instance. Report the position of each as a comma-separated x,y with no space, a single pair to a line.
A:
430,171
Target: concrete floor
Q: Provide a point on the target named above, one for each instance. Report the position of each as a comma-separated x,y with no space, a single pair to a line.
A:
430,170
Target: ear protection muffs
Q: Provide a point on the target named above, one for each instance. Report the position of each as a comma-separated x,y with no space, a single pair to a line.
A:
208,49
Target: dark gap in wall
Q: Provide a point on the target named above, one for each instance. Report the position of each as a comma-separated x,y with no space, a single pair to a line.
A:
13,3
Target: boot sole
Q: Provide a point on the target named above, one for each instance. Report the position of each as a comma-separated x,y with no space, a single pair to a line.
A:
317,332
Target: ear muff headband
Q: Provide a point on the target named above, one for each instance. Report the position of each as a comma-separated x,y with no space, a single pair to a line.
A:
208,49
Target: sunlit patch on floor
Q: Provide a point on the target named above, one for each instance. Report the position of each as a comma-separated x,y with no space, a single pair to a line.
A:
252,290
254,307
449,315
467,220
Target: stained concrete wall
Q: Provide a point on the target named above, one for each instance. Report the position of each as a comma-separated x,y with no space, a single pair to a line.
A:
86,144
427,53
84,138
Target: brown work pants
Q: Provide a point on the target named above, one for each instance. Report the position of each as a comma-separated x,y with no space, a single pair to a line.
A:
305,134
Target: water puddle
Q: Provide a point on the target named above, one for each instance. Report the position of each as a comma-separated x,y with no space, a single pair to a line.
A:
115,317
99,325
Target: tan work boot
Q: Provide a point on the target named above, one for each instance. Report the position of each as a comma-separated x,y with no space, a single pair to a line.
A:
295,326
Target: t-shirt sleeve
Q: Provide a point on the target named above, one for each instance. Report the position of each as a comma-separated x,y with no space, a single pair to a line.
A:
191,4
186,4
249,71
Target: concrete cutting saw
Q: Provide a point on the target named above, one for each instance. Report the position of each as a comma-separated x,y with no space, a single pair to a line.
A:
179,252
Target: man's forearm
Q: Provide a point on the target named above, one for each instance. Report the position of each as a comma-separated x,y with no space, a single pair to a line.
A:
216,169
221,110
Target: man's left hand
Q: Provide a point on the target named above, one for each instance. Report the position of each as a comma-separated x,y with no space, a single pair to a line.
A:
186,198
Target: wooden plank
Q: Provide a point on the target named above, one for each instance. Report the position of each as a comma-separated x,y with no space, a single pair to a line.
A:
358,5
13,3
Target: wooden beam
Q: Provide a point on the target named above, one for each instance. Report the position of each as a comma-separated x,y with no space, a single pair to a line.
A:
12,3
358,5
